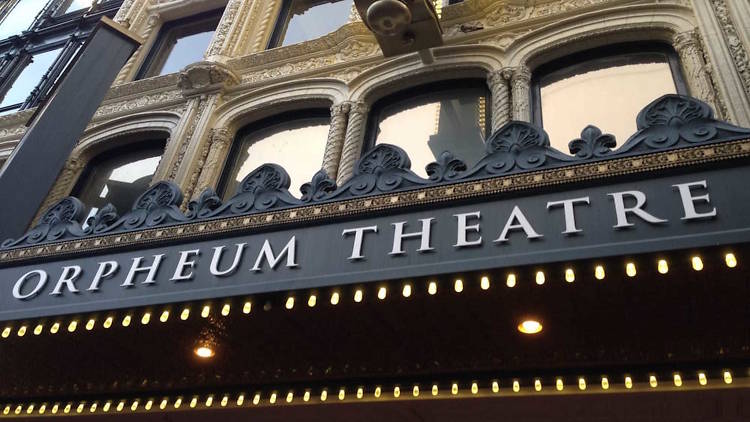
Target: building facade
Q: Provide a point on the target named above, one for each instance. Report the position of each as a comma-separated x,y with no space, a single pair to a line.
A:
221,88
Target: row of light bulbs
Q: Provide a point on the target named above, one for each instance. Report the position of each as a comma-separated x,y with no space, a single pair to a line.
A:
511,280
377,392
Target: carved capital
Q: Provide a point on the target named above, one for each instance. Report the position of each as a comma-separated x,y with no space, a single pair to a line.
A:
203,76
686,40
520,75
340,109
221,137
357,108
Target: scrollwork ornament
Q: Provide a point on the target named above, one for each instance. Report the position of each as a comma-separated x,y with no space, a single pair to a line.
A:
592,143
61,221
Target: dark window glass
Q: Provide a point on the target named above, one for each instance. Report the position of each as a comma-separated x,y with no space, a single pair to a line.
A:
29,78
604,90
295,143
433,119
119,176
303,20
181,43
20,17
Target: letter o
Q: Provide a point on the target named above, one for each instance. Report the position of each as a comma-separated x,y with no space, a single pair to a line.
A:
39,285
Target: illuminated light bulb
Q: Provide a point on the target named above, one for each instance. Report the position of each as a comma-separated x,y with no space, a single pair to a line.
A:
6,332
406,291
21,331
206,311
516,386
38,329
605,383
93,407
581,383
126,320
458,285
454,388
67,407
108,322
149,404
382,292
360,392
474,388
80,407
342,394
432,288
312,300
30,409
185,314
226,309
43,408
662,266
256,398
247,307
146,318
397,391
697,263
484,283
599,272
378,392
19,408
628,383
559,385
106,406
134,406
730,260
240,400
727,377
495,387
358,295
630,269
177,403
289,302
677,380
72,326
335,297
537,385
90,324
702,380
55,408
204,352
224,401
510,281
120,406
570,276
164,317
6,410
652,381
415,391
435,390
193,402
306,396
289,397
540,277
209,401
530,326
324,395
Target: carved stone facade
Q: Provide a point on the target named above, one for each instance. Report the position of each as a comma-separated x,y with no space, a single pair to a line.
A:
503,40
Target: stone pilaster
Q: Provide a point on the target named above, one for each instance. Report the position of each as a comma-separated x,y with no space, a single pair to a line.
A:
497,81
695,69
520,85
355,132
210,167
336,138
231,22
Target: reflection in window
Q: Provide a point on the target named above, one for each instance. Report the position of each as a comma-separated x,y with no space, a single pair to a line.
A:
29,78
425,126
73,5
296,144
182,43
607,93
119,176
306,20
20,17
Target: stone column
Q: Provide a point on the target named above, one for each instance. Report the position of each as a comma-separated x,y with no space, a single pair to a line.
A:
355,132
336,137
221,44
210,169
520,83
497,81
697,74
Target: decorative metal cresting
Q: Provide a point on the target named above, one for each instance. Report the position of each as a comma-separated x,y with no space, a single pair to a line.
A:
670,122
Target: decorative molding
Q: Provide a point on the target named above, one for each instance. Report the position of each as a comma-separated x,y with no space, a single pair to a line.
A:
205,76
336,137
209,168
142,102
219,46
355,132
186,140
733,42
520,84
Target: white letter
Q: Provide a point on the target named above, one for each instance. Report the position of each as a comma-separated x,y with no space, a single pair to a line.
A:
688,201
399,236
106,269
622,212
136,268
523,223
358,238
67,279
39,285
217,257
267,252
183,264
570,217
463,228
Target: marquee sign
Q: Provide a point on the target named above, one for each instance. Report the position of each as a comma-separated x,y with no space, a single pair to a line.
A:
644,213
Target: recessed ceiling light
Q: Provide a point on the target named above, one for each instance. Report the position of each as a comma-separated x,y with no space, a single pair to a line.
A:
530,326
204,352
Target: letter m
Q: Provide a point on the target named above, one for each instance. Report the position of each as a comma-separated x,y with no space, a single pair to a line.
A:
266,253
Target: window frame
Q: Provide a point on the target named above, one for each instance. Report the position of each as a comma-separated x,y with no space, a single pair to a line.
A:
420,92
282,21
167,37
592,59
232,158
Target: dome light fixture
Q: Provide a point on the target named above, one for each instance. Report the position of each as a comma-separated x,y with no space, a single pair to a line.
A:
530,326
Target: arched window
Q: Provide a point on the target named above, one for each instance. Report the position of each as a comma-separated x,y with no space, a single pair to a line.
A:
606,87
303,20
118,176
296,141
427,120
